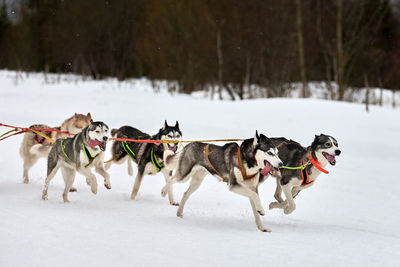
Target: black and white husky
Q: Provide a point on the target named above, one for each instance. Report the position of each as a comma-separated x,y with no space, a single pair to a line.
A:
79,154
314,158
148,156
240,166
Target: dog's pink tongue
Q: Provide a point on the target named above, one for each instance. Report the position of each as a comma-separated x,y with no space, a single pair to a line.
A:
265,171
93,143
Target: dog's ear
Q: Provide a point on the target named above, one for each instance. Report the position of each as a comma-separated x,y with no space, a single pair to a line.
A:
177,124
165,125
91,121
89,115
255,141
262,136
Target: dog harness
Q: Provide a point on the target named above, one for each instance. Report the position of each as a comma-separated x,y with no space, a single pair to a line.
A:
63,149
304,175
153,158
240,163
242,168
304,172
128,150
88,155
206,153
85,150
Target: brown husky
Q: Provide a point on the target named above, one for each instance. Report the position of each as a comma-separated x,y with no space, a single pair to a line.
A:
34,146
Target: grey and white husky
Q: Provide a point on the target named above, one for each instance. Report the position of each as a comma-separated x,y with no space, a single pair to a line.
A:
79,154
240,166
314,158
148,156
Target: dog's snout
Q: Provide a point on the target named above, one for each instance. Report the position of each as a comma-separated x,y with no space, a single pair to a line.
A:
280,164
105,138
337,152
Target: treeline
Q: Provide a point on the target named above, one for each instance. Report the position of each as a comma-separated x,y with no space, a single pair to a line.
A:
237,46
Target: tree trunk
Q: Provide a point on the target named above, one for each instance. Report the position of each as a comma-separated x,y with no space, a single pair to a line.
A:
301,49
340,56
380,84
366,92
220,63
246,83
393,98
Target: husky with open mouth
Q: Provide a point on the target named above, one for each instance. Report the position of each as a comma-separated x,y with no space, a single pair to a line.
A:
79,154
293,179
148,156
243,167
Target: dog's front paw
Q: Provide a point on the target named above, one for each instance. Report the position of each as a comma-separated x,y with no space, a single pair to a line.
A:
164,192
108,186
44,197
26,180
133,195
263,229
173,203
179,214
94,188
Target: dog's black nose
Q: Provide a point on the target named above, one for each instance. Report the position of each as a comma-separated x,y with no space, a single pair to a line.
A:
105,138
337,152
280,164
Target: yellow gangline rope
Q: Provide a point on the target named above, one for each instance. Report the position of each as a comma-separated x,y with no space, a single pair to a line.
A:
42,135
4,134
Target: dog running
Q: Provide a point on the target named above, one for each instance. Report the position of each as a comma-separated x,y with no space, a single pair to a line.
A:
243,167
79,154
313,159
148,156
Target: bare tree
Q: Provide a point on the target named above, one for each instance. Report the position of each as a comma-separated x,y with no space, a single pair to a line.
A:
299,23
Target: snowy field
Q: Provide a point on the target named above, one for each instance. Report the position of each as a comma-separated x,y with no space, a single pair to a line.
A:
350,217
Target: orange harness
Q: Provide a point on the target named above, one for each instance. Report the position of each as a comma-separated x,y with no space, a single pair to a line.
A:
240,163
304,172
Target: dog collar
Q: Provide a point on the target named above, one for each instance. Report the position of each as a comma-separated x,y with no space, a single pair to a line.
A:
317,164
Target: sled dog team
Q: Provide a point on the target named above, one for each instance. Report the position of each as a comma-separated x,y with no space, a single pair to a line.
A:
244,167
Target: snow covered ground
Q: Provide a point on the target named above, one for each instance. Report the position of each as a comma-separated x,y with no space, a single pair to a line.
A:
350,217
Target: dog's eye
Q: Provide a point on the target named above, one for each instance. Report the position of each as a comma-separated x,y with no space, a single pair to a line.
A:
269,153
97,131
328,144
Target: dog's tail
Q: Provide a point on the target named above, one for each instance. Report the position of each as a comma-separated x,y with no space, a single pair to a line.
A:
114,132
171,159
